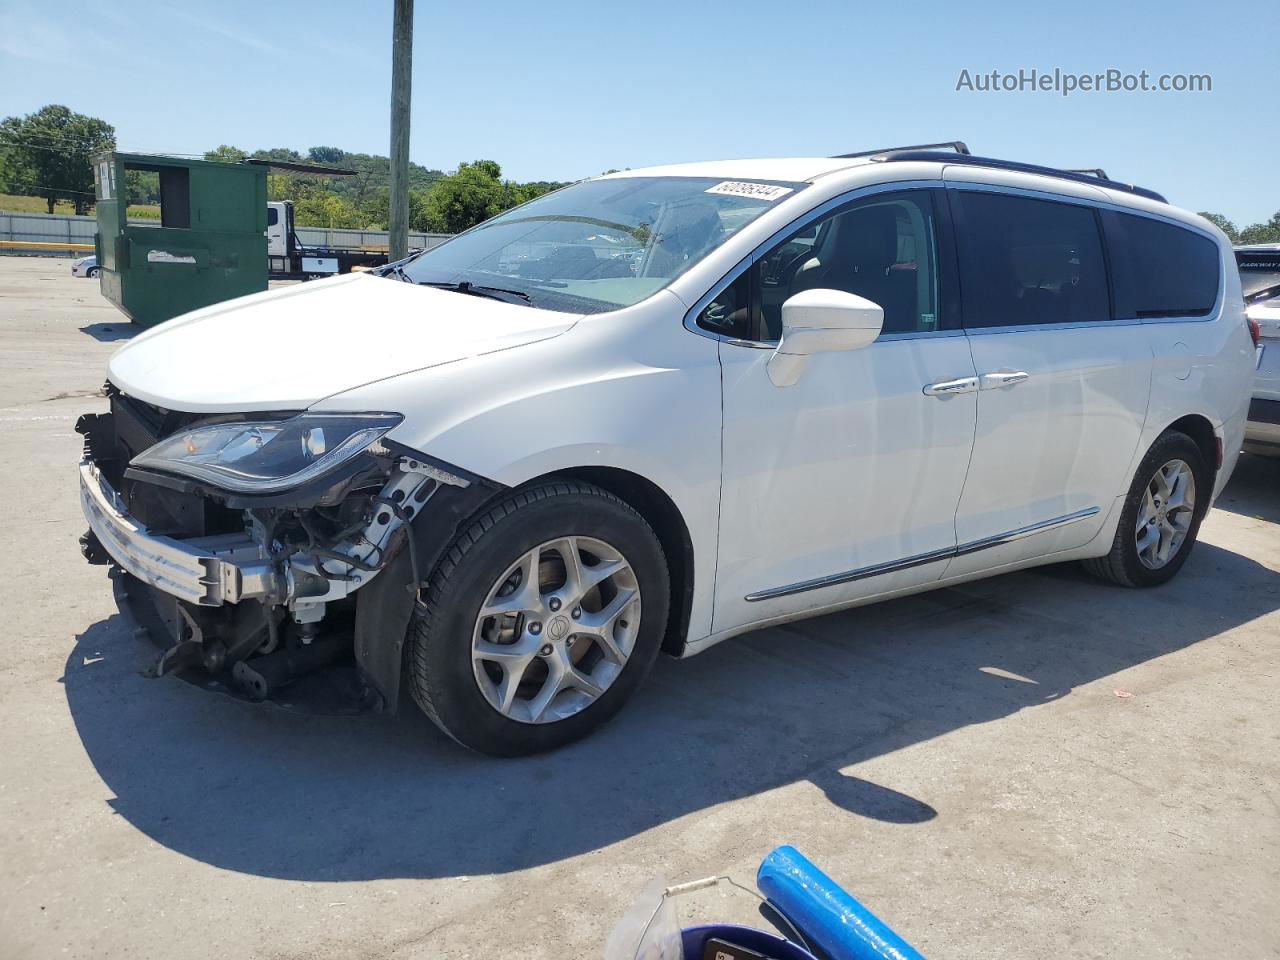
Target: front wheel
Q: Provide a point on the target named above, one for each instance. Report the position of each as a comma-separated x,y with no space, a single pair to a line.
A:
1161,515
92,273
540,621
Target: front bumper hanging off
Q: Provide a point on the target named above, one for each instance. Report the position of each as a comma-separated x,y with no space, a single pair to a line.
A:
208,598
205,571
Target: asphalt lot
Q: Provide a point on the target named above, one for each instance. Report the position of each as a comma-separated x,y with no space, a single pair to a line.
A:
1037,765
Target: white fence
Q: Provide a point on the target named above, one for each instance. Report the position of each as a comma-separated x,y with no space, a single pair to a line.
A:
65,228
335,237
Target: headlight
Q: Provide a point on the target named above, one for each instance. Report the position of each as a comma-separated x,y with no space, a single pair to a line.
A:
267,457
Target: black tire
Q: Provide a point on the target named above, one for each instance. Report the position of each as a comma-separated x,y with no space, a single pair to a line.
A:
440,634
1122,564
92,273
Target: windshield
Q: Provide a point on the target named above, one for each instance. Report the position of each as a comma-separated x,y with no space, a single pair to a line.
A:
600,244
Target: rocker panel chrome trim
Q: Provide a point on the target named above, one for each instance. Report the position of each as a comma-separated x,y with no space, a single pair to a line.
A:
933,556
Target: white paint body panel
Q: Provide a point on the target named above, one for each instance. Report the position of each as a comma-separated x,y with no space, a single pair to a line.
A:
632,390
278,232
1059,442
287,348
1266,384
319,264
851,466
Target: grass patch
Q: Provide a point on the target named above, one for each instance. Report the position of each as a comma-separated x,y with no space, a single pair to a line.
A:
13,203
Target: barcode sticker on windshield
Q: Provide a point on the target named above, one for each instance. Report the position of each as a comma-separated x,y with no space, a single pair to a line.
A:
755,191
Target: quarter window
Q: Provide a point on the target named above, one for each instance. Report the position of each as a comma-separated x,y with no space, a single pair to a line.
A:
1160,270
1025,261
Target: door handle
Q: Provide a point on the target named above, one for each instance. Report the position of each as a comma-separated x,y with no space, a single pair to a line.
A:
1003,378
951,388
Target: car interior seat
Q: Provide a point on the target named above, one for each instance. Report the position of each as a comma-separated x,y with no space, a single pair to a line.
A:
859,257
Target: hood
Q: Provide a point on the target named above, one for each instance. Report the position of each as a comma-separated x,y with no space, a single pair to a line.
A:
287,348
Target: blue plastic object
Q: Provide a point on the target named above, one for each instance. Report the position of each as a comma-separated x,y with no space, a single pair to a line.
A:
693,940
828,917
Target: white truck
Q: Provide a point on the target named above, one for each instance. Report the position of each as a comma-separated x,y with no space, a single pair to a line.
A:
289,259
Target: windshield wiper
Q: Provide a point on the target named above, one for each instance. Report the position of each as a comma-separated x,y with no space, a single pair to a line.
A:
478,290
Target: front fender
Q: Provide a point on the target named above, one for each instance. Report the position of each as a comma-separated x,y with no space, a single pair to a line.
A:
632,390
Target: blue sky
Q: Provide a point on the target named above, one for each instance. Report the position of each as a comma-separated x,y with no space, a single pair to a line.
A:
563,89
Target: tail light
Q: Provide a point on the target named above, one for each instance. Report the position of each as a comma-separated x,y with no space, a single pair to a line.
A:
1254,330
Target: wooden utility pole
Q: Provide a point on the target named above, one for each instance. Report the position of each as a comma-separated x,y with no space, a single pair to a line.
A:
401,87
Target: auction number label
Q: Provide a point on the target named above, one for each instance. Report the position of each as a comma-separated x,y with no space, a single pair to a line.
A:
754,191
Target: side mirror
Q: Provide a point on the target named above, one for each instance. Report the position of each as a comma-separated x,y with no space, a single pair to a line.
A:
821,321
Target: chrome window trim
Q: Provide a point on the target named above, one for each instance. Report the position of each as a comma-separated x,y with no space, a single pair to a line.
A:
908,335
1104,204
690,317
933,556
1041,327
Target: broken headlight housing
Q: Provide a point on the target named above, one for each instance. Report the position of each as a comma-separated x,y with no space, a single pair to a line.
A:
267,456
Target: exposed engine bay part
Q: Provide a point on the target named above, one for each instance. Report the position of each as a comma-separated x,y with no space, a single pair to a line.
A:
260,677
259,591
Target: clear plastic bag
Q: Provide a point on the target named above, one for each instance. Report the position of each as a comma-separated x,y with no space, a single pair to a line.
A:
649,930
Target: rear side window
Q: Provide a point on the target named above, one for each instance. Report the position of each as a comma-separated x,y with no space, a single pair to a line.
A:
1028,262
1160,270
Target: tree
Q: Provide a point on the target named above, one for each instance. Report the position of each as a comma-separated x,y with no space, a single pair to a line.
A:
49,154
1268,232
377,208
329,156
287,154
318,208
462,199
470,195
225,154
1223,224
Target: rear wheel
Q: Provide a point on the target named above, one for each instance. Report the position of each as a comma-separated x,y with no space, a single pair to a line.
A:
540,621
1161,515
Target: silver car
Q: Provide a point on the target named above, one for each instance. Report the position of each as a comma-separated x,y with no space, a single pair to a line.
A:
85,267
1260,282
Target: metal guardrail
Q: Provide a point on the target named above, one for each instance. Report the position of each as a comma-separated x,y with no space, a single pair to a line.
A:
40,246
62,228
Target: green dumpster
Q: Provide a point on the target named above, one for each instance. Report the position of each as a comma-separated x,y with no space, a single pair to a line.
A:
209,244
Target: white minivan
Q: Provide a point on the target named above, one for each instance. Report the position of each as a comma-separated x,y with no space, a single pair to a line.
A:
659,408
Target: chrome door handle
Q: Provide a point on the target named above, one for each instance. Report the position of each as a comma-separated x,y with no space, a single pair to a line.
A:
1003,378
951,388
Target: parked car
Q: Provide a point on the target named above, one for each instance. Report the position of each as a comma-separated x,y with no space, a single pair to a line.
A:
85,267
1260,280
822,382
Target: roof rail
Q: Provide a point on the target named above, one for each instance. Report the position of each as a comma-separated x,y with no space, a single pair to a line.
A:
969,160
957,145
1089,172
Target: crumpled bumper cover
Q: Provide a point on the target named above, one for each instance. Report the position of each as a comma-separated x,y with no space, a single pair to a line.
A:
206,571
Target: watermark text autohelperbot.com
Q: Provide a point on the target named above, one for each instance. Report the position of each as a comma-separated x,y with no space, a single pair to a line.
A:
1065,83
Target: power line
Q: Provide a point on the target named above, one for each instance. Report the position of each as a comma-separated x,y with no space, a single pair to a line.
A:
58,138
44,186
36,146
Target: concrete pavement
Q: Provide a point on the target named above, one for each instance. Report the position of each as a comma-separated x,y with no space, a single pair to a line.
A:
1030,766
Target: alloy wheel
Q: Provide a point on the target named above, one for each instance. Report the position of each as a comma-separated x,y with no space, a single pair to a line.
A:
1165,514
556,630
